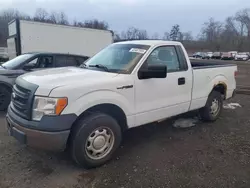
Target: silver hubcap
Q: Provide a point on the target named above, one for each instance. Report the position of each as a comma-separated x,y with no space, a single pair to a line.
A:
99,143
215,107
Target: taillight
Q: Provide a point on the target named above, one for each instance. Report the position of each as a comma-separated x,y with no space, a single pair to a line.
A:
235,73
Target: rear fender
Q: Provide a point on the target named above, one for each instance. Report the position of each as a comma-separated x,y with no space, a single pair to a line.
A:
218,80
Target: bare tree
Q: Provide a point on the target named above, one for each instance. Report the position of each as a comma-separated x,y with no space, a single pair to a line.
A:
54,17
187,36
63,19
41,15
175,33
117,37
5,17
232,34
78,24
166,36
244,17
212,31
96,24
134,34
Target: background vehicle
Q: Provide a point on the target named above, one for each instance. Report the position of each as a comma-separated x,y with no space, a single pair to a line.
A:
233,53
127,84
30,36
199,55
208,55
216,55
227,56
10,70
243,56
3,54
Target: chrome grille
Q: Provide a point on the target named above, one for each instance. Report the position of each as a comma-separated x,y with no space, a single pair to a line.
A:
20,101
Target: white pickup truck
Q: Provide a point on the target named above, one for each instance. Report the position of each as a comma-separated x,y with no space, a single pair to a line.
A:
125,85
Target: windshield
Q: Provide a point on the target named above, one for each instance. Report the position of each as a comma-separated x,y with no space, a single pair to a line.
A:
14,63
243,53
120,58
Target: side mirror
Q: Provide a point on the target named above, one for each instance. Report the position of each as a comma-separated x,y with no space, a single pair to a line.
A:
27,67
153,71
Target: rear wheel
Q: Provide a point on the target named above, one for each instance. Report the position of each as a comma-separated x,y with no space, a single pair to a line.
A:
94,140
5,95
213,107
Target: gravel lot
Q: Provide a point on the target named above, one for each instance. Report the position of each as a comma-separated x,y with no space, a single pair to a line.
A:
156,155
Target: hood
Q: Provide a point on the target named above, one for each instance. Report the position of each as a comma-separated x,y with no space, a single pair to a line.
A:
6,72
49,79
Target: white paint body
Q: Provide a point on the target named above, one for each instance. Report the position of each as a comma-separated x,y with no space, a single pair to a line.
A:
3,52
44,37
149,100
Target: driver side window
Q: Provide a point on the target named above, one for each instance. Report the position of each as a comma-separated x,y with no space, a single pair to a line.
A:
165,55
33,63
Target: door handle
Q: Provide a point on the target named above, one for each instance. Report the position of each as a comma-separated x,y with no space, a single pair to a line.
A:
181,81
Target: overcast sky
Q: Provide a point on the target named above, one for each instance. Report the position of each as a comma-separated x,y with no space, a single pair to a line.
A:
152,15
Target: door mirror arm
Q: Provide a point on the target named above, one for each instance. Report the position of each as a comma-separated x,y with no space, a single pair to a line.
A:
27,67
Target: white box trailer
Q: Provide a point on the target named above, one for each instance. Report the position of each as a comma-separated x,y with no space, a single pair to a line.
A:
3,53
29,36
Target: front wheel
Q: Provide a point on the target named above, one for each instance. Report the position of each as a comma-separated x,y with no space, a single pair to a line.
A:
94,140
213,107
5,97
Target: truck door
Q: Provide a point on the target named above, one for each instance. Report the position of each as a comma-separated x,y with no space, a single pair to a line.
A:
158,98
39,62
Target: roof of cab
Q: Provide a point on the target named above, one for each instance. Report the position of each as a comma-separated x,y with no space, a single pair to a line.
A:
150,42
52,53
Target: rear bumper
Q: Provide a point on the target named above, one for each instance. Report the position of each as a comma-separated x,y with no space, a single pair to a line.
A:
42,139
234,93
226,58
241,59
231,94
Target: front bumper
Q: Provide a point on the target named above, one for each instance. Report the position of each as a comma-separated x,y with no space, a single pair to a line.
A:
37,134
240,59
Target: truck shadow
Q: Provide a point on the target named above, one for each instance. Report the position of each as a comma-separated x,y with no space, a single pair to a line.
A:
135,139
154,133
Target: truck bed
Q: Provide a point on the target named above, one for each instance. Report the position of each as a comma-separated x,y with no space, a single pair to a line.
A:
208,64
207,74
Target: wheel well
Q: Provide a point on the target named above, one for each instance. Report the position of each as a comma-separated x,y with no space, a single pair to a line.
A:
8,87
221,88
110,109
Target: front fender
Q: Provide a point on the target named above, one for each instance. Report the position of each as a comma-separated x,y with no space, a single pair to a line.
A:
100,97
7,81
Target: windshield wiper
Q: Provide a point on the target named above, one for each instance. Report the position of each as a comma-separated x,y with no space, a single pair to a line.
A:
100,66
83,65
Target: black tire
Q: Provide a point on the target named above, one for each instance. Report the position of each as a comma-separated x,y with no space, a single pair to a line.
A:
5,96
84,130
206,112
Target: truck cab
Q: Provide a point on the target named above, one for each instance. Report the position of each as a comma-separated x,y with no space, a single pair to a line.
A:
127,84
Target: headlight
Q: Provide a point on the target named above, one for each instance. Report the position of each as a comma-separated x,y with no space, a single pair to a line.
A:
47,106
